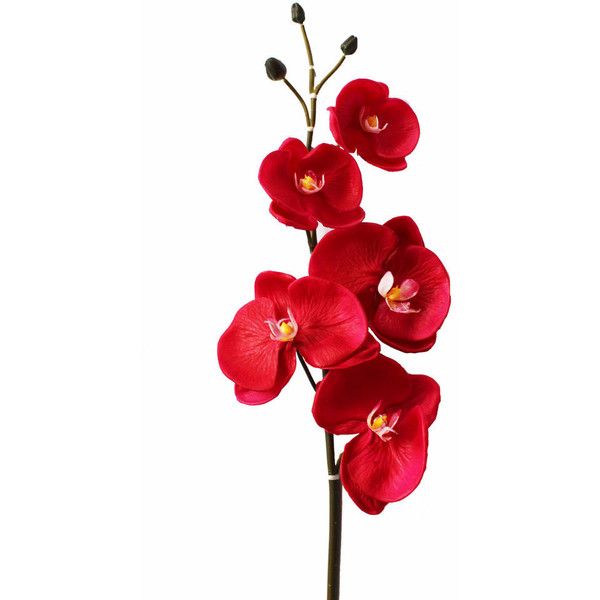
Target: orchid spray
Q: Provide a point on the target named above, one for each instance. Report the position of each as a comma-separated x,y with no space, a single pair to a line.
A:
368,284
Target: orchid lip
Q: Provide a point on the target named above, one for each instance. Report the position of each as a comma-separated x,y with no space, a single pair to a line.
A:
397,297
370,123
381,425
283,330
310,183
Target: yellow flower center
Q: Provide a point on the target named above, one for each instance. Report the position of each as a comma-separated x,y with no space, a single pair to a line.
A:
378,422
311,183
286,328
370,123
398,297
283,330
373,121
395,294
308,183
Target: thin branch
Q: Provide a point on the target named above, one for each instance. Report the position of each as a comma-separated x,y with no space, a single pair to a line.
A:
311,62
301,100
308,373
337,66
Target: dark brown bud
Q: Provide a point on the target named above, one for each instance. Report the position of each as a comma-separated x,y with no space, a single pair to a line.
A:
350,45
298,15
276,70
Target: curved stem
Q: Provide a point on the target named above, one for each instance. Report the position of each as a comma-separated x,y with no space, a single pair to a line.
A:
337,66
300,99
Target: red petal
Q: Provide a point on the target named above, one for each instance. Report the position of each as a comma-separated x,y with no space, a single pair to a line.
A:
345,397
355,257
287,367
276,175
294,147
388,164
246,352
330,217
367,504
406,346
337,131
421,391
331,321
407,231
368,350
433,299
289,217
274,285
386,471
401,135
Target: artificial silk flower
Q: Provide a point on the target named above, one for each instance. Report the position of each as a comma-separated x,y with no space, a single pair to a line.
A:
320,319
390,410
323,185
382,130
403,286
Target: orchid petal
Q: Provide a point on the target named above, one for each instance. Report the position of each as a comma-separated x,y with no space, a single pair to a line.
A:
385,284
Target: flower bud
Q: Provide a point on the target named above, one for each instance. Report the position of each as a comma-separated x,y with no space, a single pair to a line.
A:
276,70
350,45
297,13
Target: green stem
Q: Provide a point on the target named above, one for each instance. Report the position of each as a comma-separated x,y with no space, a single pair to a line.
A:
337,66
313,120
311,62
311,89
301,100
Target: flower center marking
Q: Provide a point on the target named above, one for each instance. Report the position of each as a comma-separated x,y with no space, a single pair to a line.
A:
379,424
370,123
284,330
398,297
310,183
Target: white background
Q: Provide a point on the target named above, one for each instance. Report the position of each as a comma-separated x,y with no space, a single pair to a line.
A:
132,226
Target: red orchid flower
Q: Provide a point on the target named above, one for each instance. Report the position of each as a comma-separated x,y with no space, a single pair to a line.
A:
403,286
382,130
390,410
305,187
320,319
